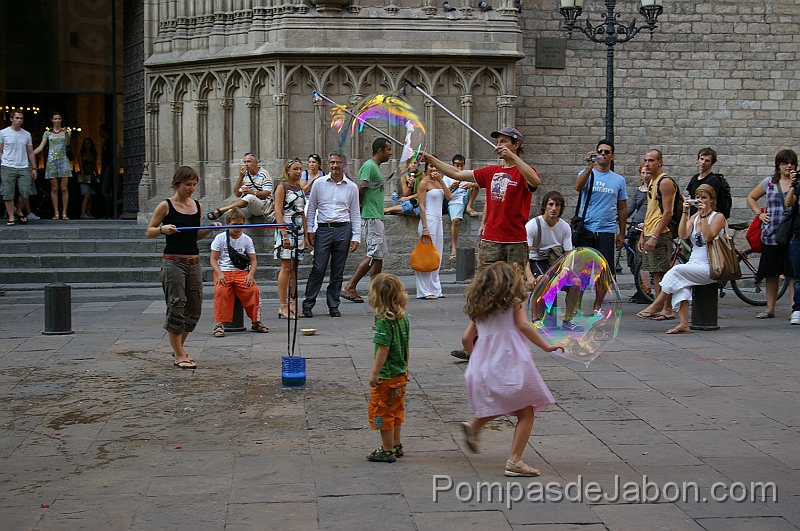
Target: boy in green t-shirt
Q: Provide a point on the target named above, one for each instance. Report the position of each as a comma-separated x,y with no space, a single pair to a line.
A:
389,375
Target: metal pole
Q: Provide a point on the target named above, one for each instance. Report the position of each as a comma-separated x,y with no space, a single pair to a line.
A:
610,94
445,109
324,97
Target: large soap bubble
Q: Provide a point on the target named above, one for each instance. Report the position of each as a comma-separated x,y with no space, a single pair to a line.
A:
577,303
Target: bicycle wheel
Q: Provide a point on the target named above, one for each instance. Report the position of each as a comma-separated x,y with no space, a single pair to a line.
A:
644,282
748,288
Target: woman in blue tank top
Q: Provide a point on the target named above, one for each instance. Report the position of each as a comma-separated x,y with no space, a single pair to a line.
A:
181,273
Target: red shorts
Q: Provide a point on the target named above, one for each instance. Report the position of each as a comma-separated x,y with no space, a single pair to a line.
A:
386,403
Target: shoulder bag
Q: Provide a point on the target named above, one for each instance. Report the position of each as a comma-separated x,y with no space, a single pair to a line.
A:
425,257
723,263
553,253
785,231
577,221
238,259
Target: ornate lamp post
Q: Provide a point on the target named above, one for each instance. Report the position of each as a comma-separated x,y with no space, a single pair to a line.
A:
611,32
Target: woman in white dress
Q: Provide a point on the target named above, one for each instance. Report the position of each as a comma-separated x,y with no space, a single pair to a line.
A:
676,286
431,193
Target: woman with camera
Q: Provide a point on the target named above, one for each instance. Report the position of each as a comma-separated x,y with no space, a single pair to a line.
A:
774,260
794,246
676,286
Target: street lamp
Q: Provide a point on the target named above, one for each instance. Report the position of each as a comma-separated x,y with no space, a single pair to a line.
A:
611,32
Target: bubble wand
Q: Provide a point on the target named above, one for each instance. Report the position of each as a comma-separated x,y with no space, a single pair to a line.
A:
355,116
445,109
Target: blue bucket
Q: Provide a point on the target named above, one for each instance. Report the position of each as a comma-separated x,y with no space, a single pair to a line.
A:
293,371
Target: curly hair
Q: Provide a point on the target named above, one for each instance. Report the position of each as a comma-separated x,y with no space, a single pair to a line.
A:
387,296
496,287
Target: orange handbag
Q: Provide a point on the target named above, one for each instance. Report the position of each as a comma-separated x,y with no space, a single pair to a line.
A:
425,258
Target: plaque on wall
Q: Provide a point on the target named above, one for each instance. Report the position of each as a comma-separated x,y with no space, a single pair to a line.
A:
551,53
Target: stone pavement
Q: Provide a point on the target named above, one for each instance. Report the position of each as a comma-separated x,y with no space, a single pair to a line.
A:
100,432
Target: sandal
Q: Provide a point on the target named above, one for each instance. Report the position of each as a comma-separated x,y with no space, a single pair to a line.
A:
259,327
472,213
765,315
219,330
520,469
677,330
10,223
22,219
471,437
216,214
185,364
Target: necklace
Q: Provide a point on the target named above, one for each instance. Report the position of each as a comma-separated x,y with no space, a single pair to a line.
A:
704,217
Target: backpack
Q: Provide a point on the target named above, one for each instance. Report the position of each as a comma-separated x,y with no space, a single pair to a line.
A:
724,198
677,205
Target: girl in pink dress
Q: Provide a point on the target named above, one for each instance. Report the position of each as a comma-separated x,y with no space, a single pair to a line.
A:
501,377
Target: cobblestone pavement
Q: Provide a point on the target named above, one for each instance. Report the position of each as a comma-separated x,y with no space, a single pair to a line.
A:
100,432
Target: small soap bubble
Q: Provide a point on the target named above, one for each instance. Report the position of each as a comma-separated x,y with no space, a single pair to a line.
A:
577,304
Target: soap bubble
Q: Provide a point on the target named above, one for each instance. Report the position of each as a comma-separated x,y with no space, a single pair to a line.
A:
563,305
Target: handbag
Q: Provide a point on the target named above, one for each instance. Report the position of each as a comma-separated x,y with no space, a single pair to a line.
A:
238,259
577,221
425,257
723,263
553,253
753,235
785,230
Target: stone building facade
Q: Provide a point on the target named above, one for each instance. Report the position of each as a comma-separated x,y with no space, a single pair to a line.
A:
225,77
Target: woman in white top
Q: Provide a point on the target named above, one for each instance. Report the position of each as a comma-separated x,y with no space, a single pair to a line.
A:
676,286
431,193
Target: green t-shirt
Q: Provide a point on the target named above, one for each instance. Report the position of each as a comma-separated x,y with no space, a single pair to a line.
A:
372,203
395,335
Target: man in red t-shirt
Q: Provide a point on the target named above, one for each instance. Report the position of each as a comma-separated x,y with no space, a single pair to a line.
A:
509,188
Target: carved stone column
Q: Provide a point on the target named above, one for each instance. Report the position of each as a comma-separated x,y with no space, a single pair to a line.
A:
177,132
202,143
430,120
254,104
148,187
466,114
227,143
505,110
281,100
355,99
319,128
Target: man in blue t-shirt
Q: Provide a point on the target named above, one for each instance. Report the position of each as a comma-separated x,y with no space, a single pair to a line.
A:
607,210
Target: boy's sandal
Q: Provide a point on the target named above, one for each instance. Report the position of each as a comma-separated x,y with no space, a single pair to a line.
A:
520,469
259,327
219,330
215,214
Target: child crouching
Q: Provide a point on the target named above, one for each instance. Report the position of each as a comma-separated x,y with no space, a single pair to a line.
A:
231,282
389,375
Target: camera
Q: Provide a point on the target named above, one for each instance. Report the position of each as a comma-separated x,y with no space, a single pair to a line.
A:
694,202
594,157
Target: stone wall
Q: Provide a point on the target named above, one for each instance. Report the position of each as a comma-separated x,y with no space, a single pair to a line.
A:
724,74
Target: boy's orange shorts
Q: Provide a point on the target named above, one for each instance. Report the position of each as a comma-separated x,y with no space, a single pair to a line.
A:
386,403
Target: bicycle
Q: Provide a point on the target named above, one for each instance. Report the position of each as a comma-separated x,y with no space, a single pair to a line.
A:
748,288
642,278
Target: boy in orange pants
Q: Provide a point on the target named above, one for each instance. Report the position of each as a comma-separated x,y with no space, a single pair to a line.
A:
232,282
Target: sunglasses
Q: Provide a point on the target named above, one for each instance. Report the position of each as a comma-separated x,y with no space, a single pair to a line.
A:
604,151
293,160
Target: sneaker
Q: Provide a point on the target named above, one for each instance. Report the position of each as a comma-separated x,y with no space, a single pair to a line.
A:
398,450
599,312
460,354
381,455
33,216
537,324
795,318
87,216
571,326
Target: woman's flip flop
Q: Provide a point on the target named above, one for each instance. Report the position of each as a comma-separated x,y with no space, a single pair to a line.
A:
765,315
216,214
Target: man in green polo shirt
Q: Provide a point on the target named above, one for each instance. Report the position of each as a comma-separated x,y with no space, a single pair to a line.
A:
370,188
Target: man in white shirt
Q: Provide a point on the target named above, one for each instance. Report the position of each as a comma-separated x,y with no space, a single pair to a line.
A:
16,156
455,207
546,233
334,205
254,188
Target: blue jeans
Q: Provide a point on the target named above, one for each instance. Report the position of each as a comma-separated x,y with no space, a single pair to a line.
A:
794,257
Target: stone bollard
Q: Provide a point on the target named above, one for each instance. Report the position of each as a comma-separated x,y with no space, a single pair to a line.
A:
237,324
57,309
465,263
705,303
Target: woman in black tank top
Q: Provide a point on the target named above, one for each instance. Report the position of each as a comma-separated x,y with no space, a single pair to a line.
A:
181,272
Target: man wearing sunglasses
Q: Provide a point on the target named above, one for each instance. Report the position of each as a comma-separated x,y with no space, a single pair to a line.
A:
607,207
